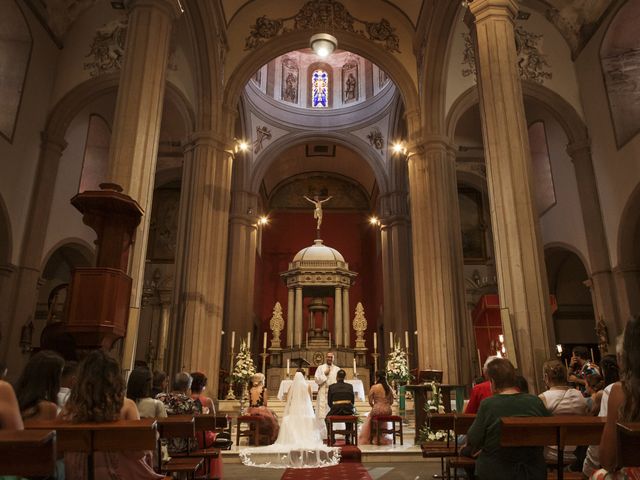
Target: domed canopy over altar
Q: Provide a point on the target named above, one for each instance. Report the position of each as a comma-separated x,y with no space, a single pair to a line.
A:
318,271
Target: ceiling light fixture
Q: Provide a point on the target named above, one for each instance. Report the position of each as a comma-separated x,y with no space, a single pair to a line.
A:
323,44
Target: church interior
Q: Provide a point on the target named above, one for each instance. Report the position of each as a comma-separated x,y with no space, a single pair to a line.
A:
182,181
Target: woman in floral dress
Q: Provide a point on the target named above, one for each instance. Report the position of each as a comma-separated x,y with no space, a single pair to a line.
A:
380,399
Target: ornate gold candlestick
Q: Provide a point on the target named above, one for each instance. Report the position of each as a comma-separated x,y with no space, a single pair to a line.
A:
230,394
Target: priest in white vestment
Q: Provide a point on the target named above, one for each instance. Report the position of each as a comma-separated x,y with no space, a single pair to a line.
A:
325,376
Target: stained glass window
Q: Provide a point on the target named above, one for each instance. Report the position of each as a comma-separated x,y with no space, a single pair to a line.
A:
320,89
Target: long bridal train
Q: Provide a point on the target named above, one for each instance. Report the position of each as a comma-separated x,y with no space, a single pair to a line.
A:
299,443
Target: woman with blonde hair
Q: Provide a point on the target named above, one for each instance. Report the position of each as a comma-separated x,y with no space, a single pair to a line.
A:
258,403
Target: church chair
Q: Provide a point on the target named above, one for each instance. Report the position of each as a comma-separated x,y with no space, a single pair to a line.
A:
395,430
628,444
28,453
350,431
252,432
179,426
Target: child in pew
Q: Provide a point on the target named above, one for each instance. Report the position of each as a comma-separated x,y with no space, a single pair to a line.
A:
623,406
99,396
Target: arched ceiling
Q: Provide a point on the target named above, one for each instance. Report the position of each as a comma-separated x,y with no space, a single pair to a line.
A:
576,20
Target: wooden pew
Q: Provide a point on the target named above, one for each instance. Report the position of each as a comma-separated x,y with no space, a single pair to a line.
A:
462,425
121,435
628,444
178,426
443,449
560,430
28,452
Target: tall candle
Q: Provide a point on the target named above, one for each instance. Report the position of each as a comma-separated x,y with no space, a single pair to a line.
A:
249,340
375,341
233,339
406,340
288,365
391,339
559,348
264,341
593,359
354,366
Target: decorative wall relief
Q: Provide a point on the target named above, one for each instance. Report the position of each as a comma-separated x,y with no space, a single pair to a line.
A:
290,80
532,63
472,225
350,81
376,139
323,14
262,133
107,48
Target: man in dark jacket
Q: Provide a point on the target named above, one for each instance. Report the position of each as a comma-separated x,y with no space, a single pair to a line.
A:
341,397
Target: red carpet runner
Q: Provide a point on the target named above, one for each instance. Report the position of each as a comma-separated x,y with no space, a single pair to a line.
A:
349,468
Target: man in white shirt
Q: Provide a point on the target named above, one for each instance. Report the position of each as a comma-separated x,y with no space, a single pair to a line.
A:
325,376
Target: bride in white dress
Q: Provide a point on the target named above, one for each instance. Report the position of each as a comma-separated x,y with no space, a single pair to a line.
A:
299,443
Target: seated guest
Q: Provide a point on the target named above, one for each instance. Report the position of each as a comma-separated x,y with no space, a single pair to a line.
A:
160,383
67,381
480,390
380,399
38,386
340,397
500,463
595,390
139,390
580,367
623,406
560,399
198,386
611,372
10,418
258,405
98,396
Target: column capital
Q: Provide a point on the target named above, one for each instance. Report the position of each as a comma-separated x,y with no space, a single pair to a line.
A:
52,143
172,8
209,139
579,150
485,9
7,269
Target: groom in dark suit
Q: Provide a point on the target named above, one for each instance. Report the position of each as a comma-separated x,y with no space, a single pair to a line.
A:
341,398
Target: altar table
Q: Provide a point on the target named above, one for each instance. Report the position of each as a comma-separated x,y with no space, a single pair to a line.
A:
358,388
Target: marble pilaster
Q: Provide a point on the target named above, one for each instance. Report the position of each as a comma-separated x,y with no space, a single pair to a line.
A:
291,297
346,321
522,284
298,316
337,317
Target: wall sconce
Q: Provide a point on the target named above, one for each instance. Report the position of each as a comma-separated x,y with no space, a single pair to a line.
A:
26,337
399,148
373,220
263,220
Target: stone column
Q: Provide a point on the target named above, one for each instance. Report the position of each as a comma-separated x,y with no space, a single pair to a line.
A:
290,316
603,286
522,284
163,334
346,321
437,257
337,316
298,317
201,257
628,285
136,129
241,271
24,295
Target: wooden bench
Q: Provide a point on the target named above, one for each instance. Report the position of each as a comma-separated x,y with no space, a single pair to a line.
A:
28,452
628,439
178,426
121,435
561,430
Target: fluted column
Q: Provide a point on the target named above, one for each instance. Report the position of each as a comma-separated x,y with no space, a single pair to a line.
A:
163,334
437,257
201,257
23,296
298,317
290,316
522,284
346,321
337,316
603,285
243,234
136,130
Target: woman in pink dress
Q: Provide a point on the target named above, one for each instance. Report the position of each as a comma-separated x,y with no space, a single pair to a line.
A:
258,405
380,399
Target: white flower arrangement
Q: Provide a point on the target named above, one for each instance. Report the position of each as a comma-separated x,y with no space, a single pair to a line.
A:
434,406
397,365
244,368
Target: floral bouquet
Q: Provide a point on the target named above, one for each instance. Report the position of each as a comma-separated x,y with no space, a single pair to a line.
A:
244,368
434,406
397,365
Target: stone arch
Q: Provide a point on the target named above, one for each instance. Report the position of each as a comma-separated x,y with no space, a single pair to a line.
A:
271,153
561,110
76,250
300,39
628,269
